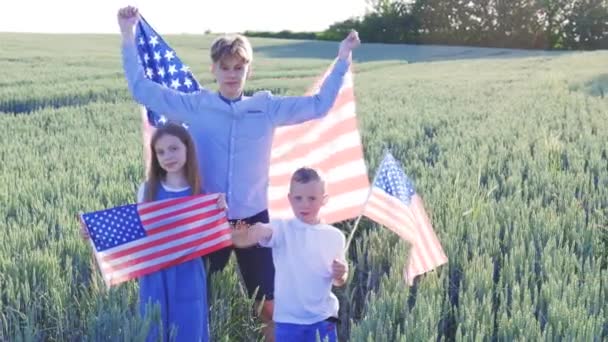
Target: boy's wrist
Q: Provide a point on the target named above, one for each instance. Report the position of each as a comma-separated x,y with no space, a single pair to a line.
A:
128,40
128,36
345,56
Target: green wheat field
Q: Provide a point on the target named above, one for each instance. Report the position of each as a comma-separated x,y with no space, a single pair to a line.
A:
508,149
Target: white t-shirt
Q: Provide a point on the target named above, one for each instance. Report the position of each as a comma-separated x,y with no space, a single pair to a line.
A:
303,255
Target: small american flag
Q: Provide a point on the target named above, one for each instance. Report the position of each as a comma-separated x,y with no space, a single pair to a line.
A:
162,66
137,239
394,203
331,144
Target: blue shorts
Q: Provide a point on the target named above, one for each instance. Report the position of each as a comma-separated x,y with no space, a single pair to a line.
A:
289,332
255,263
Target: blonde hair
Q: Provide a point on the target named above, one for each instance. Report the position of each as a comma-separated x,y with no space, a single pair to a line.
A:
231,46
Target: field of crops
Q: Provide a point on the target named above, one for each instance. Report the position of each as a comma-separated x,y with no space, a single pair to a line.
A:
508,149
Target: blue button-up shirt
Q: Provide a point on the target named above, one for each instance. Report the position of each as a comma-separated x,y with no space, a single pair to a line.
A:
233,140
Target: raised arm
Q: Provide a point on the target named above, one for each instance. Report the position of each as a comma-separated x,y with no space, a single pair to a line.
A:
173,104
247,237
289,110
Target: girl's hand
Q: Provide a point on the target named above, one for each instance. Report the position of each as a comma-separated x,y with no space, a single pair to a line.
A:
221,202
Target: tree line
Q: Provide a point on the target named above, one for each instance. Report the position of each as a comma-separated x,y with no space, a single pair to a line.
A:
527,24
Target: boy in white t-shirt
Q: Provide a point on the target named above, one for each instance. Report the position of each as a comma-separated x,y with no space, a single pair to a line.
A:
308,258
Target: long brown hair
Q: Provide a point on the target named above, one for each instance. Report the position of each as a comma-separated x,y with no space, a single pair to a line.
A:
156,173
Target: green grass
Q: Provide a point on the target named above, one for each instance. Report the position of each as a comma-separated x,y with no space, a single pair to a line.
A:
510,155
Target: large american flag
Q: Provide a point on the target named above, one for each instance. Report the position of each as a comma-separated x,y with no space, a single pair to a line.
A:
394,203
331,144
162,66
133,240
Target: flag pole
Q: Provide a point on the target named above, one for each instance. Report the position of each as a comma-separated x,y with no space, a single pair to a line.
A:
356,224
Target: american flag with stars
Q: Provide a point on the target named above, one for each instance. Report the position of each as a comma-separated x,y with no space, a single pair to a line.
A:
331,144
394,203
162,65
137,239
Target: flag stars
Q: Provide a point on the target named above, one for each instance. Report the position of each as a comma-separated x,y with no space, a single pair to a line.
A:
169,55
153,41
156,53
172,69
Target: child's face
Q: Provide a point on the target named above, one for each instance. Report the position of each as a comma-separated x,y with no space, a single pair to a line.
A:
171,153
307,199
230,73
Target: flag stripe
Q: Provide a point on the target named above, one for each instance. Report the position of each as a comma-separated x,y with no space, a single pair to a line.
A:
346,92
189,220
411,229
156,240
212,246
331,144
165,251
389,212
428,236
331,164
392,214
327,139
161,214
111,253
177,236
151,222
344,99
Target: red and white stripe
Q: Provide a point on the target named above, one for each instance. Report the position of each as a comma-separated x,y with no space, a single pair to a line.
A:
177,230
412,224
331,144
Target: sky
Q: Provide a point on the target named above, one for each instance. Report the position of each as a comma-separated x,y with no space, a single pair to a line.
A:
176,16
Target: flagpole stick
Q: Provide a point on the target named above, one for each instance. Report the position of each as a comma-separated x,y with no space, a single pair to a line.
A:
356,225
352,231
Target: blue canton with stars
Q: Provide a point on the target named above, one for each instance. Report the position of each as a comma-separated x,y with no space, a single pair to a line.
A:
392,179
113,227
161,65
